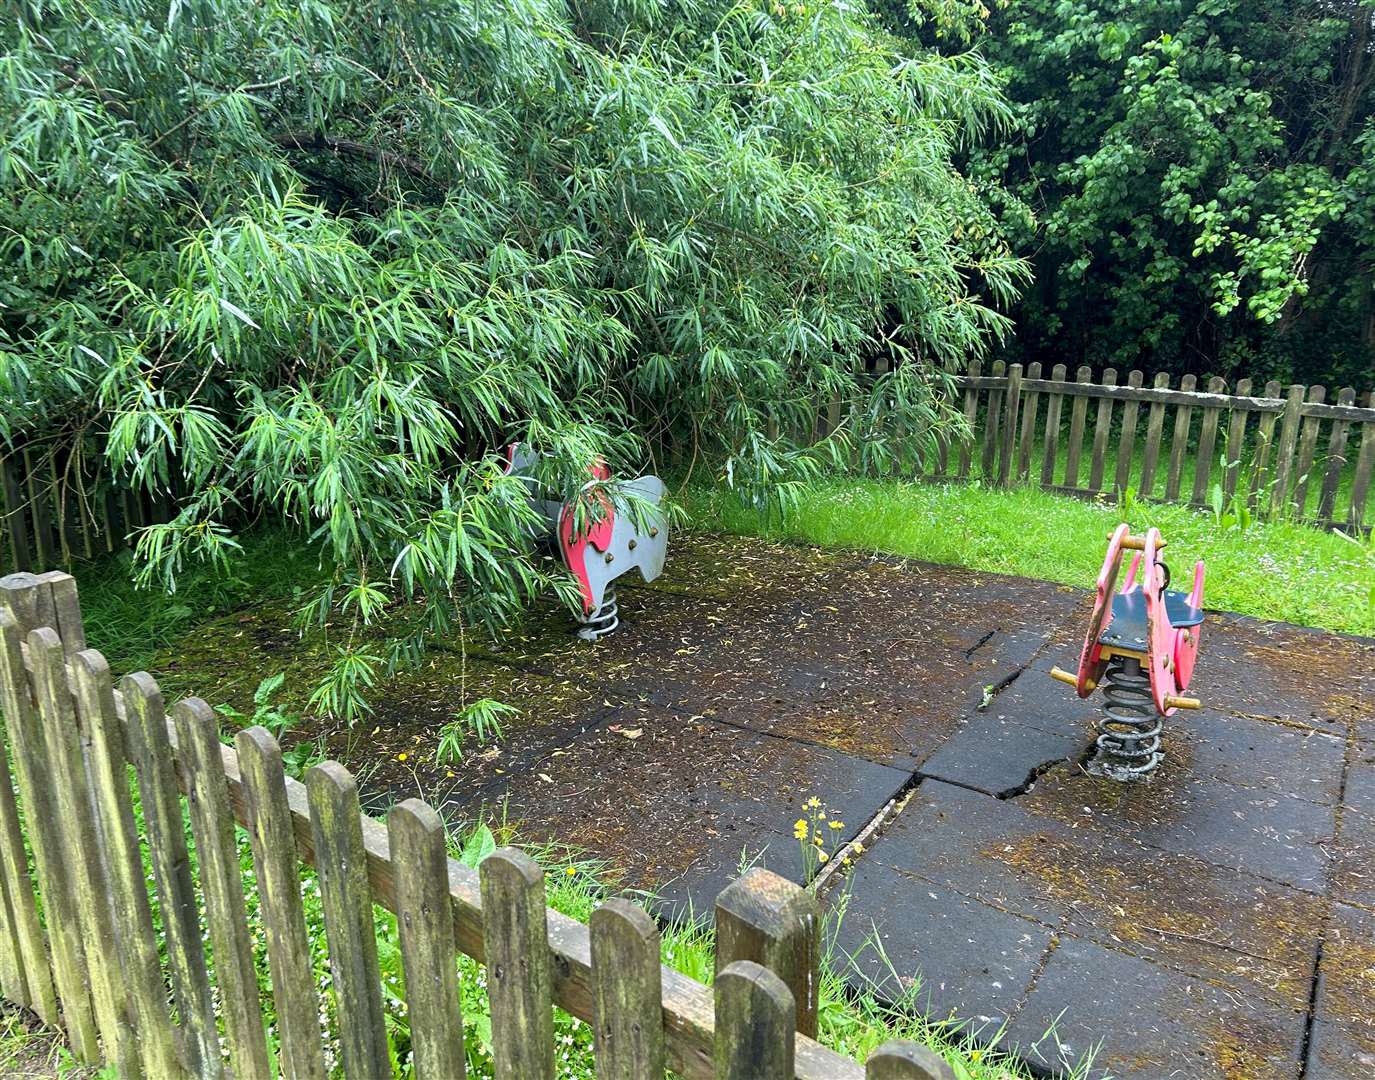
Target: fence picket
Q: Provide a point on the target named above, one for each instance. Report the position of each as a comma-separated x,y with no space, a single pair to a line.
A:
425,924
627,993
991,442
1308,447
1050,449
1336,460
279,890
1179,441
900,1059
1029,417
55,875
1012,401
1155,424
212,825
1289,435
1236,442
1365,465
346,897
1207,437
971,412
136,946
755,1024
515,945
1078,413
151,753
28,979
1265,437
81,848
1126,443
1100,434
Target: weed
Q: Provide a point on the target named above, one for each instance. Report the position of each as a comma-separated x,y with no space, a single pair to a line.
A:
295,759
482,719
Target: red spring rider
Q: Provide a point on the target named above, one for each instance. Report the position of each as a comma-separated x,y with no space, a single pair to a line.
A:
1141,645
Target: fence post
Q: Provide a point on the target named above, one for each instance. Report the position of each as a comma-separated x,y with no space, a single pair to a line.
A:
756,1028
515,936
901,1059
1289,434
1011,404
627,993
341,862
774,922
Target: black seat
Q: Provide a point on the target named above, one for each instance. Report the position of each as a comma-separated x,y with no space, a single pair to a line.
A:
1127,630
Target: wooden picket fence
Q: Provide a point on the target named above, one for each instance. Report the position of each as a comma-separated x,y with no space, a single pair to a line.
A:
60,502
78,945
1283,452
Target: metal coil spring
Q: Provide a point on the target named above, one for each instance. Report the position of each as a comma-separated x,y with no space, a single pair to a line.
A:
602,621
1129,732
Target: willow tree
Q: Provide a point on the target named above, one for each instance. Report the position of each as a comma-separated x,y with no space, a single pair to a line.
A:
319,261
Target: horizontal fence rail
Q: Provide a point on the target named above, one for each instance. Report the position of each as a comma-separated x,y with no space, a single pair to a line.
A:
1282,452
78,945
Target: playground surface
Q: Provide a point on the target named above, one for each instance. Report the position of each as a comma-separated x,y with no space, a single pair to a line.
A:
1218,921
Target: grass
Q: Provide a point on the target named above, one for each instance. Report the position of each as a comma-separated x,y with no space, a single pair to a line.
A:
1275,570
132,624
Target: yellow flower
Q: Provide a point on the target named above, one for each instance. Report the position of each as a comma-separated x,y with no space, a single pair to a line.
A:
814,802
858,848
837,825
822,856
571,871
402,756
800,828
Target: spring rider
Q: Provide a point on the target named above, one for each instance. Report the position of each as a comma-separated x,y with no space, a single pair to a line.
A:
1141,644
605,548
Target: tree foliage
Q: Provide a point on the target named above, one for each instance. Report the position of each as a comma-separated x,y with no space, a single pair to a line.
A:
1195,177
317,261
